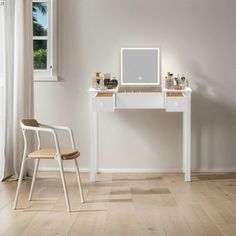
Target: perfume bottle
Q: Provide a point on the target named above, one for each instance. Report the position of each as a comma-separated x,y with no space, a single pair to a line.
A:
183,79
107,78
169,81
96,80
101,83
187,83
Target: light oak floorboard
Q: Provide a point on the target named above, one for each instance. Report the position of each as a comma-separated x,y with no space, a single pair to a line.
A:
122,204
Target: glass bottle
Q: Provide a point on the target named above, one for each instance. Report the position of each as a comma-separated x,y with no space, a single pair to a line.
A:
169,81
96,80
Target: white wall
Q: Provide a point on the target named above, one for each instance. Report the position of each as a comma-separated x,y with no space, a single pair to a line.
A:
198,38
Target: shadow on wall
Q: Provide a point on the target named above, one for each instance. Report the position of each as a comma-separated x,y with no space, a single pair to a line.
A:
213,129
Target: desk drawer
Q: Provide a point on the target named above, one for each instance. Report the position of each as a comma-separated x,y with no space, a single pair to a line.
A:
140,100
104,102
176,103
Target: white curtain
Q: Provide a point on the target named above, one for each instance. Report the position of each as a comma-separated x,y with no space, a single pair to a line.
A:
2,63
17,81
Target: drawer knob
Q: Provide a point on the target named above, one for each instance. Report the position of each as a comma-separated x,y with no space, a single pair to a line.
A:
101,104
176,104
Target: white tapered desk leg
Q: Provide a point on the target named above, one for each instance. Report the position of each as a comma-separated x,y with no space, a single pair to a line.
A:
187,140
93,142
184,142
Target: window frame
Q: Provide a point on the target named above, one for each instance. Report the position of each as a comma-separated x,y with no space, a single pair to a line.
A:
50,74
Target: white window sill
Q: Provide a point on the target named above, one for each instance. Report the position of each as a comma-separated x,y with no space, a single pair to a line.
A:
46,79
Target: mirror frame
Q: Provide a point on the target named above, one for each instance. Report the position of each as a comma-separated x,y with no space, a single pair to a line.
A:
158,83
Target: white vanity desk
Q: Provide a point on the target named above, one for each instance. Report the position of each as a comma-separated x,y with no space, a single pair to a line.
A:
170,100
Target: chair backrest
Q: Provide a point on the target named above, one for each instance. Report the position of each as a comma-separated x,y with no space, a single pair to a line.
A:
30,122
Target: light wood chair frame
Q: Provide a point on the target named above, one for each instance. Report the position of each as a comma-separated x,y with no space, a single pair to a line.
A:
51,130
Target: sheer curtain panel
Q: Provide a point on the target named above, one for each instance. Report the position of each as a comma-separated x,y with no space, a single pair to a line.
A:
17,81
2,73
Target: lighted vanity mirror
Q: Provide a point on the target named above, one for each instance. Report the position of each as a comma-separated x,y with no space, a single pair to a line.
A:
140,67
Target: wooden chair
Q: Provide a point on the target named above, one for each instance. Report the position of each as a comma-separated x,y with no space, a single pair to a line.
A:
53,153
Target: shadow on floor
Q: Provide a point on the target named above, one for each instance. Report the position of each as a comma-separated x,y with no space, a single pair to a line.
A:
222,176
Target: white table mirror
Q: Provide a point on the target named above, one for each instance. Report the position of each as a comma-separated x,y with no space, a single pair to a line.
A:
140,67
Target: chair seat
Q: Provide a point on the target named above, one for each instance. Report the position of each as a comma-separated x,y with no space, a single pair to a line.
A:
50,153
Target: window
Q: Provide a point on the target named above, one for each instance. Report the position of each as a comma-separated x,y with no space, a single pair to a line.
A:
44,39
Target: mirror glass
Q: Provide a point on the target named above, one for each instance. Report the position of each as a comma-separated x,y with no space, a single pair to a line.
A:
140,66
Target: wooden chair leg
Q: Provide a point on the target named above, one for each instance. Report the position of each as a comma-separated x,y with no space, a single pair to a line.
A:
64,185
19,181
79,181
33,179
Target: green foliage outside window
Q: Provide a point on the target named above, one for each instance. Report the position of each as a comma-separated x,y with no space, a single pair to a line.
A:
40,46
40,59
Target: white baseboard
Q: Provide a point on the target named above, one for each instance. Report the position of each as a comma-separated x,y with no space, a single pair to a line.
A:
215,170
114,170
140,170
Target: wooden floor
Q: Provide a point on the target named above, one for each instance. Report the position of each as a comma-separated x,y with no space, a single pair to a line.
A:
123,204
